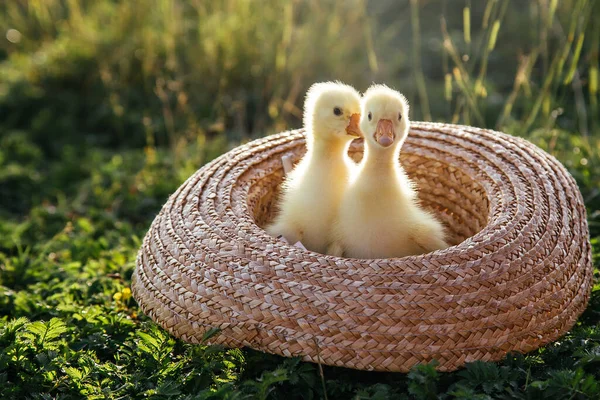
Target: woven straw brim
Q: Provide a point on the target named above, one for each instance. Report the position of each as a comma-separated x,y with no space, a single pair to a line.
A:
518,275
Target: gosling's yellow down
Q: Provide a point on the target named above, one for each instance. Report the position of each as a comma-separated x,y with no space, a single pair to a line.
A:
312,191
379,216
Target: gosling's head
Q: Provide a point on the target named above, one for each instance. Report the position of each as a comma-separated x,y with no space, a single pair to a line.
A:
332,112
384,121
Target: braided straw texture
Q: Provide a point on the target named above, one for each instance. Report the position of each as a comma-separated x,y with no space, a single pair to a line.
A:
518,275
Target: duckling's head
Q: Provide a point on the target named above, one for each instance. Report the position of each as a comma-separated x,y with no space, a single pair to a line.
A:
332,112
384,121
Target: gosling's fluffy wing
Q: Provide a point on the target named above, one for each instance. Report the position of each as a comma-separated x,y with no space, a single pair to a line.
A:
428,233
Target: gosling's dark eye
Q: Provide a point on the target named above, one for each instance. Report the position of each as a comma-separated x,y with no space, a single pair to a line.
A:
370,116
337,111
399,116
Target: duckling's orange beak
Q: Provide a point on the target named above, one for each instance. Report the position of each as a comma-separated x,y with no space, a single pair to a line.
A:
353,129
384,134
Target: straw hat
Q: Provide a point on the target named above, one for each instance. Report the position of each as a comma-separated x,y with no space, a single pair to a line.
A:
518,275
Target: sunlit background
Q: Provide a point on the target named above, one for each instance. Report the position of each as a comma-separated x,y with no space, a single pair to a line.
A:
107,106
125,70
208,75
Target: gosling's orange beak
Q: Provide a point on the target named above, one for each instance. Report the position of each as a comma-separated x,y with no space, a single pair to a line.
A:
385,135
352,129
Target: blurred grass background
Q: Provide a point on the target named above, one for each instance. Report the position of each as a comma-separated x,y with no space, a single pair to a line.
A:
106,106
120,75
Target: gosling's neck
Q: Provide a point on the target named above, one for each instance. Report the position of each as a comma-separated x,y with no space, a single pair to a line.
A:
382,163
331,150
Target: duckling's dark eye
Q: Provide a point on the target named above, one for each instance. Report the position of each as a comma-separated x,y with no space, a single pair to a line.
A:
370,116
337,111
399,116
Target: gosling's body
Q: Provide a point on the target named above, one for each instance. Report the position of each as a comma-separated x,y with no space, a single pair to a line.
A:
379,216
312,191
311,195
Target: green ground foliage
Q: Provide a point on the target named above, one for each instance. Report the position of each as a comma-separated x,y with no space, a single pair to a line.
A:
106,106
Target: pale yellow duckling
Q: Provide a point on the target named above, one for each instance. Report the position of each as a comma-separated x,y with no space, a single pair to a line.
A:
312,191
379,216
